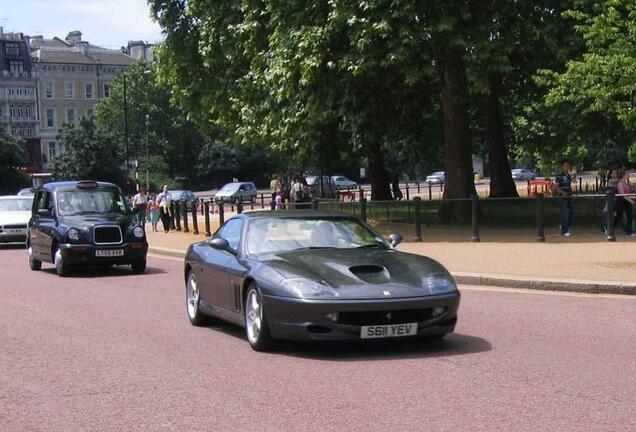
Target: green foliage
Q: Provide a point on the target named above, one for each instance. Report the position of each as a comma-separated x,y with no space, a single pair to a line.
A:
89,153
12,156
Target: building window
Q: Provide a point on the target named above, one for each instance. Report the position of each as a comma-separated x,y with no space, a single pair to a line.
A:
16,66
70,115
13,49
106,89
48,90
50,117
52,150
69,90
89,90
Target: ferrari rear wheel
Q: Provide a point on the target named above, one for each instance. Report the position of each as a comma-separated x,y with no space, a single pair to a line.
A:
256,328
192,302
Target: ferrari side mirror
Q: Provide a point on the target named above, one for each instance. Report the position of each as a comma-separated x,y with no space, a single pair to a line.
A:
395,239
220,244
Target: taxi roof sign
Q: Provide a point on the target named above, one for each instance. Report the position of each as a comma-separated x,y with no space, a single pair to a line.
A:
86,184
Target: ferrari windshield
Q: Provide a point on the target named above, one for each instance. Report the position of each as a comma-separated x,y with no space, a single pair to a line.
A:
90,201
285,234
17,204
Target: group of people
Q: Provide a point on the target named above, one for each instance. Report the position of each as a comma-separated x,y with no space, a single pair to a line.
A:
616,181
298,194
152,208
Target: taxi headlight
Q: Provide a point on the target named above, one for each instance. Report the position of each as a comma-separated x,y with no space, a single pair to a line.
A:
138,232
304,288
73,234
440,284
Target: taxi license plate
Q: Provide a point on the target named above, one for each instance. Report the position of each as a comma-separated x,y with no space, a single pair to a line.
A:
390,330
109,252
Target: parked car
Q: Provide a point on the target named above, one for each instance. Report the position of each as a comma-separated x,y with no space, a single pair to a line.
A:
237,192
183,195
317,190
15,212
437,177
26,192
522,174
311,275
344,183
84,223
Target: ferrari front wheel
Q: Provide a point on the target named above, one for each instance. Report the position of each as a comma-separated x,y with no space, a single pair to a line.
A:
256,328
192,302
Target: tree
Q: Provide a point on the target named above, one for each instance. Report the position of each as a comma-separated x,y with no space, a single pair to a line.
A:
171,135
13,155
89,153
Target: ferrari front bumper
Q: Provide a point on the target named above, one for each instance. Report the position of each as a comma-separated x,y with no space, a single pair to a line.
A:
300,319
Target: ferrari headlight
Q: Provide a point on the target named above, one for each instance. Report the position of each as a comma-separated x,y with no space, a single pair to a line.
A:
440,284
73,234
309,288
138,232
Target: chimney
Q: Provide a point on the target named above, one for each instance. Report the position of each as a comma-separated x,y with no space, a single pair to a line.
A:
74,37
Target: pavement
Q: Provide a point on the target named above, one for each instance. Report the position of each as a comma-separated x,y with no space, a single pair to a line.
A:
504,257
112,351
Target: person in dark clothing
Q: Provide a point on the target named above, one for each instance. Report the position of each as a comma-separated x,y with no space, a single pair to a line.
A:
395,186
563,189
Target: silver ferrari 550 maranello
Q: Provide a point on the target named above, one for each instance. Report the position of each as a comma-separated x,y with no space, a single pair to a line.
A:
312,275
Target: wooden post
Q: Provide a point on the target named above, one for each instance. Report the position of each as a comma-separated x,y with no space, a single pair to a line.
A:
407,191
430,192
475,213
418,226
206,212
540,225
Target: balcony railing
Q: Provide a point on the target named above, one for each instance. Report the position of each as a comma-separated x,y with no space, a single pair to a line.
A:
26,75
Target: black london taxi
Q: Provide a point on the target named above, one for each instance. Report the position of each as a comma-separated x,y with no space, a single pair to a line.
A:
84,223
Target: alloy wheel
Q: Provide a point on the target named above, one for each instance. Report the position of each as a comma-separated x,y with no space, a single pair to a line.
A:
253,316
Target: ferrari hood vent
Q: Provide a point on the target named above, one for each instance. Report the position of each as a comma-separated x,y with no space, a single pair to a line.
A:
371,273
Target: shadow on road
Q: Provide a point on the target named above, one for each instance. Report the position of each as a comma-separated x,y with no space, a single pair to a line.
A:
452,345
114,271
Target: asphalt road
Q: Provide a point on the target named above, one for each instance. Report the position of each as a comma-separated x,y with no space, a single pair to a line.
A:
113,351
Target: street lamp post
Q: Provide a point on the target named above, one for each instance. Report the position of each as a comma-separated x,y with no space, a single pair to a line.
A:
147,153
126,132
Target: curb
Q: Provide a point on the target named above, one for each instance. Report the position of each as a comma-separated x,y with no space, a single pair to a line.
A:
503,281
547,284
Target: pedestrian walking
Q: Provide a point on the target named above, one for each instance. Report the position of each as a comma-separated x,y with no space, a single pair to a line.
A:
153,209
274,187
278,199
139,205
395,186
164,200
563,189
625,204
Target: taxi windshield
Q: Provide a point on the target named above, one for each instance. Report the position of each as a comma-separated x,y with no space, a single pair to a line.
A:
90,201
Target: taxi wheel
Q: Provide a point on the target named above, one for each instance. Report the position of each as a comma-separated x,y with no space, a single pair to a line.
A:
60,267
138,267
33,263
256,327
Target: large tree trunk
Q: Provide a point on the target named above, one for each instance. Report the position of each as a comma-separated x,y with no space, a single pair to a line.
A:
501,182
380,187
458,164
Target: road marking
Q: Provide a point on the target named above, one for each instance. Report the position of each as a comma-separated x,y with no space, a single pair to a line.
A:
154,255
544,292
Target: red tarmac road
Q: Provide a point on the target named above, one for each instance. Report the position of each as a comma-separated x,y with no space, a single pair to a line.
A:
113,351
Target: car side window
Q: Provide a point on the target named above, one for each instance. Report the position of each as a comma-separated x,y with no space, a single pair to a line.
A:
231,232
44,201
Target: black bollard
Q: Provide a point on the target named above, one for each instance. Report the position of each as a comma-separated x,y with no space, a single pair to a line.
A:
430,192
221,213
611,234
195,224
314,204
263,201
206,212
239,207
418,226
475,214
363,209
407,192
418,187
184,205
540,225
177,215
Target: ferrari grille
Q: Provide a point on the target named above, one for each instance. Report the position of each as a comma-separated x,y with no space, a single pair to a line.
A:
384,317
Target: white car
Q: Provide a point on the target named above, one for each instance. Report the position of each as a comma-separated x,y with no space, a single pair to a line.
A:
437,177
343,183
522,174
15,212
